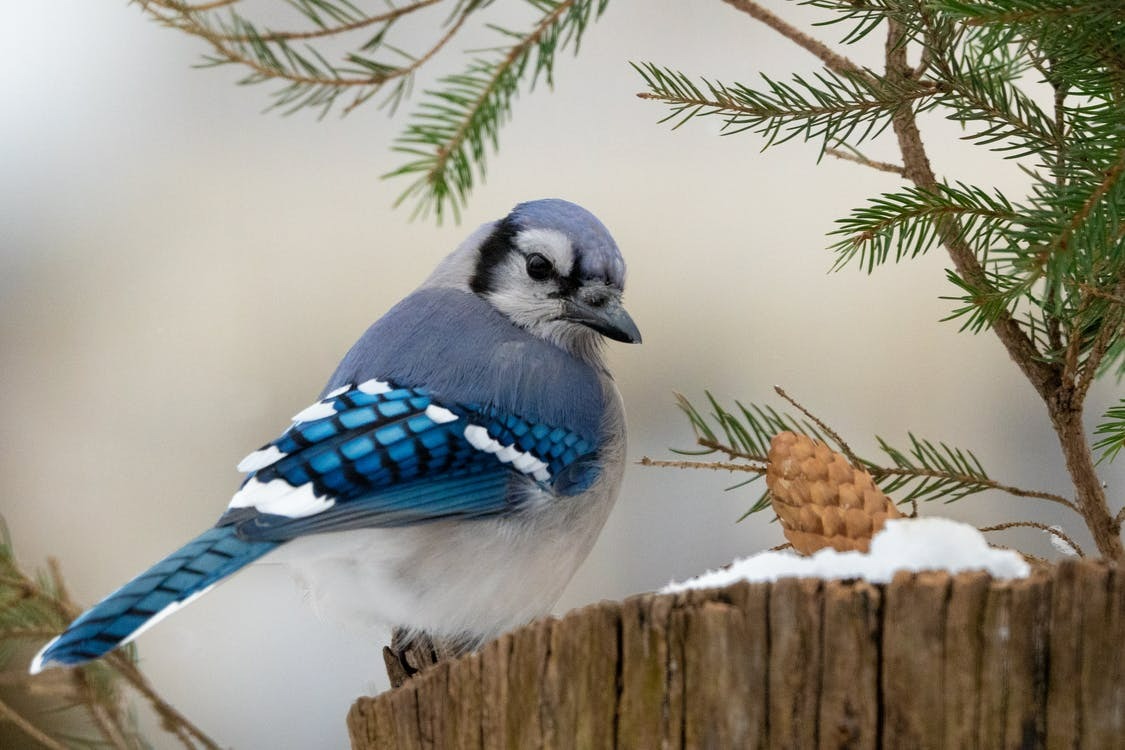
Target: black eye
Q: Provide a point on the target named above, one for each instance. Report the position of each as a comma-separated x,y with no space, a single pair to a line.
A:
538,267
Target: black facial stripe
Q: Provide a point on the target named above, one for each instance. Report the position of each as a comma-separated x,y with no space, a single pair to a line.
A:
568,285
492,253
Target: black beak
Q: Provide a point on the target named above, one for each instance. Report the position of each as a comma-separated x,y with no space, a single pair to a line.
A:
607,317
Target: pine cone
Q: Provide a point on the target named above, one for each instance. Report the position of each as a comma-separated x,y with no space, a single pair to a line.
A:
821,499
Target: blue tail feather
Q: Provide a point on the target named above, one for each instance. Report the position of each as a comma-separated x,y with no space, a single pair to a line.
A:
154,594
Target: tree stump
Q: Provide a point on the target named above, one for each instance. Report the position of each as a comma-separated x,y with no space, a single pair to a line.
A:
927,661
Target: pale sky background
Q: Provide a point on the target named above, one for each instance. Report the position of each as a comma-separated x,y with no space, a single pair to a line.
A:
179,273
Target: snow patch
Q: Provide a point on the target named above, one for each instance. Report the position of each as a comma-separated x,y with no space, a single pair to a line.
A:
912,544
1061,545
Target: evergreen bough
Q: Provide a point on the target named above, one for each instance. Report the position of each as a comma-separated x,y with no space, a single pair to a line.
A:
1041,82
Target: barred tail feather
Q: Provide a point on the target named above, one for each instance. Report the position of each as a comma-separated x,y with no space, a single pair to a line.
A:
172,583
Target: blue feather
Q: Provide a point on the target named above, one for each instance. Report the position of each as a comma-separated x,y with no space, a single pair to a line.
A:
403,463
188,571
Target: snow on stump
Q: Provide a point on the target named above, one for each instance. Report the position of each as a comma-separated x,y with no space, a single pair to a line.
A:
929,660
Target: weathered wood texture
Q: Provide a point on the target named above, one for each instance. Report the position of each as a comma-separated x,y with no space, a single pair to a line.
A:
928,661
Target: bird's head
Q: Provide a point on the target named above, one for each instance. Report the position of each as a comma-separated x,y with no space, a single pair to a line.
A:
552,268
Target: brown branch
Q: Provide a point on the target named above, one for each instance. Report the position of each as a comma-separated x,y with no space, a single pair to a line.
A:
832,60
730,451
1034,559
882,166
168,714
916,163
1111,328
7,713
1093,291
108,727
844,447
713,465
173,721
780,547
1054,531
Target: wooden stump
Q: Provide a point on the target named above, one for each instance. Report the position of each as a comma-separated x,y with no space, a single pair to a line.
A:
927,661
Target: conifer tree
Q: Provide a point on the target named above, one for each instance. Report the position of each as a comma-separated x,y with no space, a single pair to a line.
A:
1041,82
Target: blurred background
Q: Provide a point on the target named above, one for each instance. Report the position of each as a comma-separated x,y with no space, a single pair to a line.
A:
179,273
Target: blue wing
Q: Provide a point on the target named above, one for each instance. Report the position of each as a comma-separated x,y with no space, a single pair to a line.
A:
376,454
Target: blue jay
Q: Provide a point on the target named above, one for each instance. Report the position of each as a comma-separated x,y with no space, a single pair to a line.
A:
458,465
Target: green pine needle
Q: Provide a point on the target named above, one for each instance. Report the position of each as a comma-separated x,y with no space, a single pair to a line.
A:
1112,430
459,121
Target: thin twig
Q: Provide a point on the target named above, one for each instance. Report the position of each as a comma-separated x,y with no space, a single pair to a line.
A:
7,713
108,728
781,547
164,710
173,720
219,43
729,450
713,465
833,60
1093,291
882,166
844,447
1025,555
1109,330
1053,530
287,36
878,472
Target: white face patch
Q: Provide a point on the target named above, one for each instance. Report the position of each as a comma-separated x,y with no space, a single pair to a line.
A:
278,497
260,459
524,462
548,242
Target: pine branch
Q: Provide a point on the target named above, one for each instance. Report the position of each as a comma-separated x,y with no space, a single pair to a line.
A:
712,465
1014,123
831,107
1112,430
831,59
451,131
33,610
1053,531
309,79
927,471
326,31
911,221
969,269
7,713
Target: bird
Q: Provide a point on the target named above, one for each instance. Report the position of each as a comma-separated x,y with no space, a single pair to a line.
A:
455,470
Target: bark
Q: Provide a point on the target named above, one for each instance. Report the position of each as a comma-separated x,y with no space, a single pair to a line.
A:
927,661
